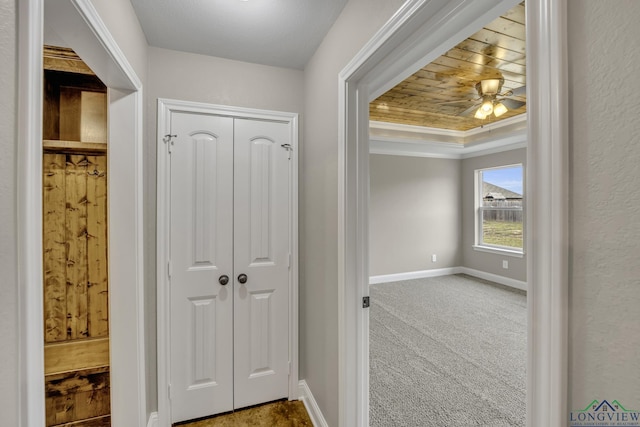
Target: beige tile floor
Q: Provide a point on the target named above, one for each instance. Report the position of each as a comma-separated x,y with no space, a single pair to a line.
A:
275,414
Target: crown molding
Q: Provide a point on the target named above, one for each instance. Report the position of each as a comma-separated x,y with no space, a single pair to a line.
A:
421,141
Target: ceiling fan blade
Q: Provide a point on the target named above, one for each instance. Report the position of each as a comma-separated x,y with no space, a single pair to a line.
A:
469,112
512,104
459,101
519,91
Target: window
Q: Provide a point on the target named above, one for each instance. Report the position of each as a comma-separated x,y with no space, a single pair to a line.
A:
499,215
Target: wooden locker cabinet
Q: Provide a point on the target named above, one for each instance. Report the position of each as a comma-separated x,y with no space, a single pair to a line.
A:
75,244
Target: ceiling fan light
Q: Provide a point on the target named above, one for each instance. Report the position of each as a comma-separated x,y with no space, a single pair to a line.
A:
487,105
499,109
480,114
490,86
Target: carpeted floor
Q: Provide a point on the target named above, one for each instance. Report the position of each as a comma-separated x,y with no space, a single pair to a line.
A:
275,414
447,351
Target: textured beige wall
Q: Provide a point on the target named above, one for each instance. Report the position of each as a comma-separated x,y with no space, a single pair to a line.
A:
604,59
8,226
415,210
484,261
358,22
200,78
123,24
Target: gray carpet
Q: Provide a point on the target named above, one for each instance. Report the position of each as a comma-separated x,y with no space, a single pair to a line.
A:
447,351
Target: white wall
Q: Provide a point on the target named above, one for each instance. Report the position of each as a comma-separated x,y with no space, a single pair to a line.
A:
123,24
357,23
199,78
483,261
192,77
415,210
8,228
605,202
421,206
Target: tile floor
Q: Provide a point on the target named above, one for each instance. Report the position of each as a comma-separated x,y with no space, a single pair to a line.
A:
275,414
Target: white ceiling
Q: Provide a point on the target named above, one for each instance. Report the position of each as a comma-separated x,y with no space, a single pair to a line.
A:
283,33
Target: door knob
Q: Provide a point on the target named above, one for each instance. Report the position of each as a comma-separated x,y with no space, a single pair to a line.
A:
223,280
242,278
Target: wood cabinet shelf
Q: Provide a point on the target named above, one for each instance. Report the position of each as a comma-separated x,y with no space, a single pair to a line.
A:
74,147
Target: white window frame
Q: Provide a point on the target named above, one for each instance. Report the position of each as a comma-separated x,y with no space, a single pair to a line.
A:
480,245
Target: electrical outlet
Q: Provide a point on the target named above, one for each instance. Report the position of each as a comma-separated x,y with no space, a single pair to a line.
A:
434,258
505,264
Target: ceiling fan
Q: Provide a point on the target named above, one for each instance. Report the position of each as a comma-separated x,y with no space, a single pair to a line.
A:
491,101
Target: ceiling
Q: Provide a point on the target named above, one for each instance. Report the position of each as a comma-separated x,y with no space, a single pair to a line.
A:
286,33
495,51
283,33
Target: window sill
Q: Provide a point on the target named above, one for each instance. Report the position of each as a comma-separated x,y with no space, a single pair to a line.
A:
499,251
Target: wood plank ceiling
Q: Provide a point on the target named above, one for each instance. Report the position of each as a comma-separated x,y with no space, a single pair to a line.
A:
496,51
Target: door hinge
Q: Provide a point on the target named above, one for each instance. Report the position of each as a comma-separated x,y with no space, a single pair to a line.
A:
289,260
169,390
169,269
365,302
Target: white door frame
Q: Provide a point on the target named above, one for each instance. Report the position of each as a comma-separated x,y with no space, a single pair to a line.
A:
79,24
165,108
419,32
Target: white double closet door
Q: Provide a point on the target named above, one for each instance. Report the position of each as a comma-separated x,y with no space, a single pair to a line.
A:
230,254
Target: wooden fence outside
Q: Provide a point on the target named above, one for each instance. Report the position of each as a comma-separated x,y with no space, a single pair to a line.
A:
502,210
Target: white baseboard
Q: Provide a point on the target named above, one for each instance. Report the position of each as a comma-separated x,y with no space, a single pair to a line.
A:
512,283
373,280
311,405
153,420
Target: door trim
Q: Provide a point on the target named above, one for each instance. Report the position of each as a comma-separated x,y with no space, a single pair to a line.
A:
165,108
418,33
84,31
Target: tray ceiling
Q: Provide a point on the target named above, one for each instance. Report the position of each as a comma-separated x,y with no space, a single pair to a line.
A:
495,51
